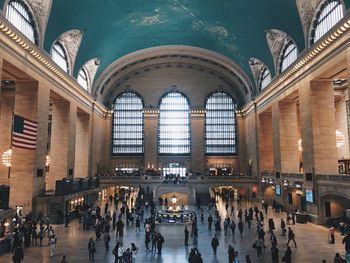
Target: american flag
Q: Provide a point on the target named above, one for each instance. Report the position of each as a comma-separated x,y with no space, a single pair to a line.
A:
24,133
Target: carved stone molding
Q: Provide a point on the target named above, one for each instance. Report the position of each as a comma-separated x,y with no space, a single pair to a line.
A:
256,66
276,39
91,67
71,41
307,10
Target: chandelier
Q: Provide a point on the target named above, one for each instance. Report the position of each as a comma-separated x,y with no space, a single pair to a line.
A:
300,145
339,138
47,162
6,158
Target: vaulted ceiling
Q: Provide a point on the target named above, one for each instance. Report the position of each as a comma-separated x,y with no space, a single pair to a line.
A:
114,28
234,28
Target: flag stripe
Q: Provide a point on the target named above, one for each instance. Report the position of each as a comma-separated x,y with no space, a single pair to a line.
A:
32,124
29,142
26,133
25,136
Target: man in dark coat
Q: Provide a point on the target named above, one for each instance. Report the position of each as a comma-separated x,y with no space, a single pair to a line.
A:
214,244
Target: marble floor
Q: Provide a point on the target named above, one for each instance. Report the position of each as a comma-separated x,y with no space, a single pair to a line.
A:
312,241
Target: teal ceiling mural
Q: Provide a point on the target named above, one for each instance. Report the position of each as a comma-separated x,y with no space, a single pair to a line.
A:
114,28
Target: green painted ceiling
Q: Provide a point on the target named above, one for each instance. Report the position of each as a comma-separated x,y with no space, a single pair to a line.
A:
114,28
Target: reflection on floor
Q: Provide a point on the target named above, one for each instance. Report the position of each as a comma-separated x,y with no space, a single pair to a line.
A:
72,241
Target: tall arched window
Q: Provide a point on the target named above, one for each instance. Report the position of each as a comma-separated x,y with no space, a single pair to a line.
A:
174,124
288,56
265,78
220,124
128,125
83,79
59,56
331,12
18,15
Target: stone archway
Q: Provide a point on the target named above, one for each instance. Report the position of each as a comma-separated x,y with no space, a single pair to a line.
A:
333,205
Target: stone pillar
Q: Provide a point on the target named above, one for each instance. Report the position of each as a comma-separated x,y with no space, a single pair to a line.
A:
64,115
31,102
6,114
82,145
265,142
241,145
150,137
197,141
285,139
317,117
72,137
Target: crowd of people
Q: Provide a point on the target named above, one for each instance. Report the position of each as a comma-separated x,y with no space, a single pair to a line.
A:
125,209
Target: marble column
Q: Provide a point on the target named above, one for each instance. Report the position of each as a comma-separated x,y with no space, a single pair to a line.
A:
62,152
265,142
317,117
285,137
150,138
82,145
197,141
31,102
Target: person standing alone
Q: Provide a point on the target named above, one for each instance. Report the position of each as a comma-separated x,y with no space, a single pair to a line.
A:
215,244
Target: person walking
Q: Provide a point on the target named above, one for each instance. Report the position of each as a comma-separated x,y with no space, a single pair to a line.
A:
106,238
258,245
210,221
120,252
186,236
274,254
160,241
231,254
52,244
134,251
91,249
115,252
287,258
18,255
64,259
195,235
346,241
233,227
331,235
338,259
291,236
283,227
120,228
154,242
236,260
247,259
214,244
240,227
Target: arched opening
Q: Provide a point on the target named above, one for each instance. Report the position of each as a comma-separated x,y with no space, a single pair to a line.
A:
333,206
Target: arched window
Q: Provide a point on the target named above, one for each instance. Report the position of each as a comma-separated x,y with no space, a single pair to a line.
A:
128,125
288,56
59,56
220,124
83,79
330,14
265,78
18,15
174,124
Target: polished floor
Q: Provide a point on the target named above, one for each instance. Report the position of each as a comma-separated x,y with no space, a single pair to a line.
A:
312,241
